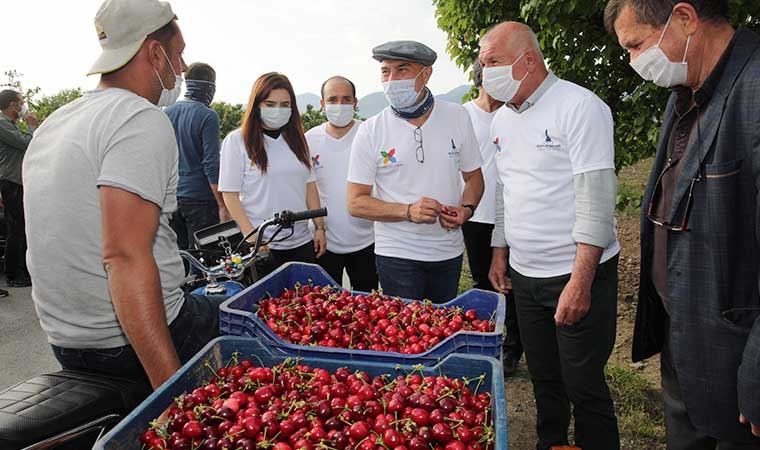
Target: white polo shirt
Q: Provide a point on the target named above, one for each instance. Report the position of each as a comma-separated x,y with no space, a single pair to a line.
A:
283,186
329,158
538,152
481,122
384,155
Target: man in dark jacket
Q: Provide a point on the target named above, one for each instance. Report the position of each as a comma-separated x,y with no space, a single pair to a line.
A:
698,299
13,145
196,125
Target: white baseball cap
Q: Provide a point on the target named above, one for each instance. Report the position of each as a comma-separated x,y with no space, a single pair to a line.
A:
122,26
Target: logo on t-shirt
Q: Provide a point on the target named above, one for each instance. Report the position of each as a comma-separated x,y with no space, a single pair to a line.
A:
496,142
454,152
315,161
389,156
548,143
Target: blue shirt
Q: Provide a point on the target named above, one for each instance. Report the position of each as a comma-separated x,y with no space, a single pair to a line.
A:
196,127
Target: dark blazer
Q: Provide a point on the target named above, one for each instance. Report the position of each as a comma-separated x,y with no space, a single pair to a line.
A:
713,273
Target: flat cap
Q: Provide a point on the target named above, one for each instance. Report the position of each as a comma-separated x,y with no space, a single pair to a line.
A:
405,51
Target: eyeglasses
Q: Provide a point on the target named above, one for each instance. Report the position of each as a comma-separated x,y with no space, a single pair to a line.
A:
651,210
420,150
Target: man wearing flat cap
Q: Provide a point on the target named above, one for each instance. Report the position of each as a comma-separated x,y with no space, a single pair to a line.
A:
407,167
102,184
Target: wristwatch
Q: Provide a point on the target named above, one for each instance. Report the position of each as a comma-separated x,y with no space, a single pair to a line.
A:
471,207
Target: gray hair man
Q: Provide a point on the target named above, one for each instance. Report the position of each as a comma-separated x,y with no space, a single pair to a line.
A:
555,225
406,172
698,294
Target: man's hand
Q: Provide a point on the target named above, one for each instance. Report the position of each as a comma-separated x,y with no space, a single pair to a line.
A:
425,210
574,303
755,428
452,217
31,120
497,275
320,242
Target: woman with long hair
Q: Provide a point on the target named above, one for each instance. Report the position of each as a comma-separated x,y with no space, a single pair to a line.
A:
265,168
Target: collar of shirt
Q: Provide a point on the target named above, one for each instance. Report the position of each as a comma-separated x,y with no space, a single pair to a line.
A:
4,117
686,98
537,94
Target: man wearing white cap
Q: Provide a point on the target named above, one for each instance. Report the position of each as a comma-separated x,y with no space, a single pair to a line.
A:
102,177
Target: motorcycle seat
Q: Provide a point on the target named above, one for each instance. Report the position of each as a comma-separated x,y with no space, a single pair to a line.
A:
52,404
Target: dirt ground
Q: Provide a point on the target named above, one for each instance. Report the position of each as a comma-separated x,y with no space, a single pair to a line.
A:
520,402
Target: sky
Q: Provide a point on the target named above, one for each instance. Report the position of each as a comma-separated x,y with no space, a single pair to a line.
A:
53,42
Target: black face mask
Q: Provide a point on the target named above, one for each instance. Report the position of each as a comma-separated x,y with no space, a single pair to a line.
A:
200,91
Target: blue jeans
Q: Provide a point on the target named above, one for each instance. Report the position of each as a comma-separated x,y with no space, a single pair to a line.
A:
196,325
437,281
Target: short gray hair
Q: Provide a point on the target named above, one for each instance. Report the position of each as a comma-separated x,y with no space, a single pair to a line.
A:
656,12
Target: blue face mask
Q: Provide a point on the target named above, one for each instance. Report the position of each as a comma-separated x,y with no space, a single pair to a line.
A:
401,93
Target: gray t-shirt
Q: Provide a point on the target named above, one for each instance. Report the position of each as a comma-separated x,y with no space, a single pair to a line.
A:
112,138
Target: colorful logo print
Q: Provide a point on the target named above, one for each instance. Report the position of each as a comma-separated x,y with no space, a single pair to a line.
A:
389,156
496,142
315,161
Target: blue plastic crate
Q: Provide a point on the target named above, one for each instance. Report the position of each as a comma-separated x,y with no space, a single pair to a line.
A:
237,317
126,435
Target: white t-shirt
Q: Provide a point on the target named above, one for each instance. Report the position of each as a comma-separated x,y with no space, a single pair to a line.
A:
481,122
113,138
282,187
568,131
384,154
329,158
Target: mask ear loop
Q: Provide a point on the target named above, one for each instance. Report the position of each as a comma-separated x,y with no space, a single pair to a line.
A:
662,35
688,39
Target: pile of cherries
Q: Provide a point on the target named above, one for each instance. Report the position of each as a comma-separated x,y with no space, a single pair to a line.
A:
295,407
331,317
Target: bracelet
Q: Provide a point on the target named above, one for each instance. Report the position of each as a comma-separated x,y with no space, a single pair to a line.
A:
471,208
320,227
409,212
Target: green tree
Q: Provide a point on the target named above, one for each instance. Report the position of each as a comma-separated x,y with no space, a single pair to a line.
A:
577,48
46,105
312,117
230,116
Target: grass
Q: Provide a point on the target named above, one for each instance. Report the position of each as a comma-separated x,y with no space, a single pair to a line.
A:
628,200
638,407
465,279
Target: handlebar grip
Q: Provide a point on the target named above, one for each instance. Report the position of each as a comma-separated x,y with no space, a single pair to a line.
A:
306,215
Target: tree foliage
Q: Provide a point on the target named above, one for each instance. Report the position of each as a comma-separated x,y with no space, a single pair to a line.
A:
230,116
46,105
312,117
577,48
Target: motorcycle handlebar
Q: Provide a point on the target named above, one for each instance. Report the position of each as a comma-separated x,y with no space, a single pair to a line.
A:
304,215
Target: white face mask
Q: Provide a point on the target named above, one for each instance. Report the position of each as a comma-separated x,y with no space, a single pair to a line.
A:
275,118
169,96
653,64
498,81
401,93
24,111
339,115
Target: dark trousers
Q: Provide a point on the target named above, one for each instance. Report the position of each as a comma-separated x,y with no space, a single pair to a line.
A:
360,266
196,325
15,245
191,216
566,364
477,240
681,434
437,281
304,253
